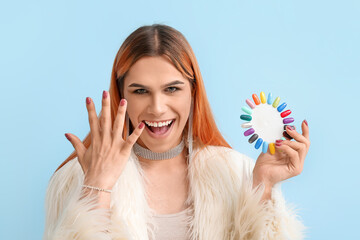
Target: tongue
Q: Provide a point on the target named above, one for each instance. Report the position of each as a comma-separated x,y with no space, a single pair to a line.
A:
159,130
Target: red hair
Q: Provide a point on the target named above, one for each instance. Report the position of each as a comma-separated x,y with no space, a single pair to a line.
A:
163,40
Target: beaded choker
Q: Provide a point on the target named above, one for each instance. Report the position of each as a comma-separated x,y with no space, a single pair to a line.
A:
148,154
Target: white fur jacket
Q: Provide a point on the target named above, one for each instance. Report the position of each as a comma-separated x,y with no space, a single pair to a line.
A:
224,204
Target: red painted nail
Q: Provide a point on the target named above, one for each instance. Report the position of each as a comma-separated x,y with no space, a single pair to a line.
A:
88,100
289,128
141,125
279,141
306,122
278,144
122,102
105,94
67,136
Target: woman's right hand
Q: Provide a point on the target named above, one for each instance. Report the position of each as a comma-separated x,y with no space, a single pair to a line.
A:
107,155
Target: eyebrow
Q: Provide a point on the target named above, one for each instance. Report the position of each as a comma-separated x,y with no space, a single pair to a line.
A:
165,85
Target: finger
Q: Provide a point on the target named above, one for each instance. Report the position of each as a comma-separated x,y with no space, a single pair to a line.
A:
297,136
285,134
130,141
93,120
297,146
293,155
80,149
119,120
305,129
105,118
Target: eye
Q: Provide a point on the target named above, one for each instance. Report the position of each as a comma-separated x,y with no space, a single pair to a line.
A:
140,91
172,89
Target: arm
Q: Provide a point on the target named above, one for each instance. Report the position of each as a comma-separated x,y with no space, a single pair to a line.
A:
262,213
72,213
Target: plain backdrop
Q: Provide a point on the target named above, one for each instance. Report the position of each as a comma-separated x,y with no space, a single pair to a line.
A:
53,54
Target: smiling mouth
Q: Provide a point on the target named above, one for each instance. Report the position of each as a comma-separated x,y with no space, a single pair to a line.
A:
159,130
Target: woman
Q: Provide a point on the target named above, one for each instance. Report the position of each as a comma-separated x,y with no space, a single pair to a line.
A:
155,166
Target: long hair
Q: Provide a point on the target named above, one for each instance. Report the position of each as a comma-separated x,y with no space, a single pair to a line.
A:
165,41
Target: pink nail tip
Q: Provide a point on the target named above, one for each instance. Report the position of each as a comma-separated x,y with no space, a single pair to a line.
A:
250,103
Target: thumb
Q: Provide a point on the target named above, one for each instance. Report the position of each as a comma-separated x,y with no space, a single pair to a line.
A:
80,149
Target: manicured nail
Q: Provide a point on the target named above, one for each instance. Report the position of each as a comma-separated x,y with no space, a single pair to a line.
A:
278,144
105,94
122,102
306,122
141,125
289,128
279,141
67,136
88,100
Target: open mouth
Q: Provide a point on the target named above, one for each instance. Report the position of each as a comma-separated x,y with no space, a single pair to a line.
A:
159,129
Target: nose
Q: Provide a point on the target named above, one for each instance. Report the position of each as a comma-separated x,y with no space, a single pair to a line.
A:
157,105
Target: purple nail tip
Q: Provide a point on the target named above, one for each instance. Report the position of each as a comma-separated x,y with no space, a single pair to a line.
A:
249,132
288,120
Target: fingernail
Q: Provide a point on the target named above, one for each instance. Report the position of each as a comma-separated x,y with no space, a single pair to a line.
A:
289,128
306,122
122,102
279,141
141,125
278,144
67,136
105,94
88,100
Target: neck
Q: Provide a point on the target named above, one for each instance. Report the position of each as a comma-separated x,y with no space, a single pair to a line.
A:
165,165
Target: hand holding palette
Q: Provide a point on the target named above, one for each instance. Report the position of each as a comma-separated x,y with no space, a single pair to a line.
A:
266,121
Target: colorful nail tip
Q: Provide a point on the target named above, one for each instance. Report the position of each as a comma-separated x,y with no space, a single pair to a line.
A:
265,147
269,101
250,103
246,110
258,143
262,97
246,117
253,138
285,113
246,125
256,99
288,120
272,148
249,132
291,126
285,134
276,102
282,107
306,122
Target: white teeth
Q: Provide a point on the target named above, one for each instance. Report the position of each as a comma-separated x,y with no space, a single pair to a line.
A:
158,124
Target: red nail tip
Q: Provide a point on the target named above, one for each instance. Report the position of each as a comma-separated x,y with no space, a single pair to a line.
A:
67,136
141,125
88,100
122,102
285,113
105,94
306,122
278,144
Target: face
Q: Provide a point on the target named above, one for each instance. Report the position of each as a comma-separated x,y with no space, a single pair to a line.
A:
159,96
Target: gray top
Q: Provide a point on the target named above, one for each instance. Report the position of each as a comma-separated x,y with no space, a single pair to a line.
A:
172,226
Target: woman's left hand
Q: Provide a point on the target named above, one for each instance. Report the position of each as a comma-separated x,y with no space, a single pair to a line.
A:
287,162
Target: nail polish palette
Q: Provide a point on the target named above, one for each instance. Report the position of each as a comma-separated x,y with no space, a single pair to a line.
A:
266,121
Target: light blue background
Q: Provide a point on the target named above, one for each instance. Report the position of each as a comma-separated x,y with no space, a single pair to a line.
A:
55,54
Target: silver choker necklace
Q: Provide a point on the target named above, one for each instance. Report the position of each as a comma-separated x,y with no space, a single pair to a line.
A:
148,154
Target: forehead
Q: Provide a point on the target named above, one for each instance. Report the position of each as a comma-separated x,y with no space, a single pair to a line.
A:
153,70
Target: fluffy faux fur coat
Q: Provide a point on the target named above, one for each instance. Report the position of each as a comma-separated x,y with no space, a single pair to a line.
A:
224,204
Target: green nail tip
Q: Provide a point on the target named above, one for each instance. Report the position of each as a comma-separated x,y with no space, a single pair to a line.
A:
247,110
246,117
